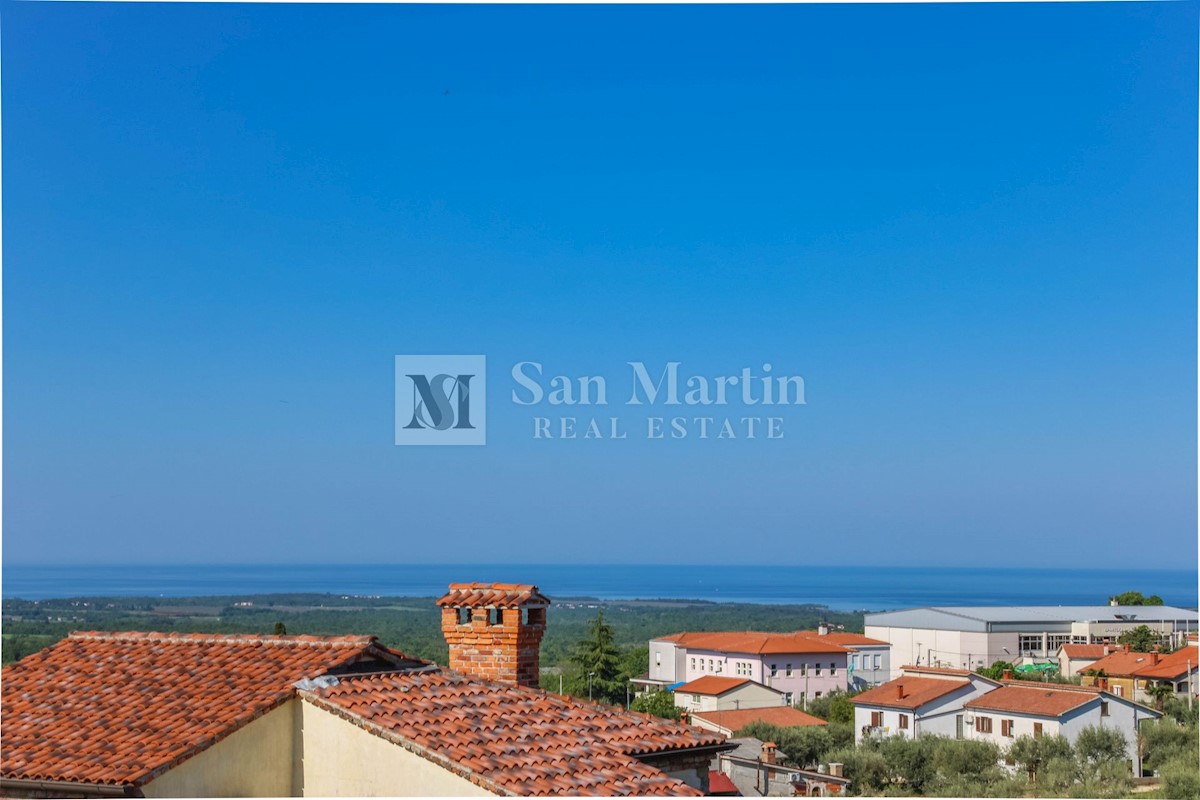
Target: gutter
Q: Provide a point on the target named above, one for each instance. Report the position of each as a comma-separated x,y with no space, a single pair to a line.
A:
63,788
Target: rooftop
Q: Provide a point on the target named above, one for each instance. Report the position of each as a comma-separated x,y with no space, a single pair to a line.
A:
712,684
909,692
779,716
493,595
1147,665
120,708
979,618
756,642
1084,650
1040,700
520,740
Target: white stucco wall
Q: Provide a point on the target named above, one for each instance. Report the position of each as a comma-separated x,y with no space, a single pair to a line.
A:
750,695
254,761
663,661
342,760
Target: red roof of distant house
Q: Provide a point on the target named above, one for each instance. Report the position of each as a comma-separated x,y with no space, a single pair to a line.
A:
120,708
1084,650
520,740
492,595
752,642
845,639
1146,665
908,692
712,684
779,716
720,784
1039,701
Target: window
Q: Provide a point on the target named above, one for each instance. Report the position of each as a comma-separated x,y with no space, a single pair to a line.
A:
904,722
1117,689
1056,642
1037,730
876,661
983,724
787,698
1030,642
853,662
818,694
495,616
693,663
818,666
1104,708
710,665
774,670
1006,728
658,658
804,669
833,669
464,616
787,670
876,719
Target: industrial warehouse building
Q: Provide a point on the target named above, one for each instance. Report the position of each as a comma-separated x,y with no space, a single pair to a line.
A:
970,637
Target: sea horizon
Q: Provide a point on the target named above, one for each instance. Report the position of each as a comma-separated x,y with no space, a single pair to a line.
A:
856,588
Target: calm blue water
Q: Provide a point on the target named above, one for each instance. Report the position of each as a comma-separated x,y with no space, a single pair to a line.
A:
839,587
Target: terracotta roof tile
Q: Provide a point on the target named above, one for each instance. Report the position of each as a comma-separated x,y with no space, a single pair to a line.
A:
514,738
492,595
754,642
908,692
1040,701
1146,665
779,716
711,684
719,782
117,708
844,639
1084,650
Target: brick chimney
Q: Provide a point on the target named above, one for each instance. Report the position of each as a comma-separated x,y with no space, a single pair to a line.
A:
1154,655
1007,676
1127,647
899,691
494,630
768,752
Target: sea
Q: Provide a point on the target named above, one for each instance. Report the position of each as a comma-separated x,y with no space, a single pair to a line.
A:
839,587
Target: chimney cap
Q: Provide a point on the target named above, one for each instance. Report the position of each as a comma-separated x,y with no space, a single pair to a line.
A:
493,595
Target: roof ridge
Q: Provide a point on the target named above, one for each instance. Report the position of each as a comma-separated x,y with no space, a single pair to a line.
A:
306,640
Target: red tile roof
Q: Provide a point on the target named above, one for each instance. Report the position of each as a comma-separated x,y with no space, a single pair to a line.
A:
845,639
513,738
1146,665
1039,701
711,684
779,716
720,783
120,708
492,595
908,692
752,642
1084,650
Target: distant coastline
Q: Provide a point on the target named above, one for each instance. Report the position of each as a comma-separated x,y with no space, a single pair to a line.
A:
847,587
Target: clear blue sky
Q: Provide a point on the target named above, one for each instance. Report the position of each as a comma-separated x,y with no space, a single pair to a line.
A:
971,228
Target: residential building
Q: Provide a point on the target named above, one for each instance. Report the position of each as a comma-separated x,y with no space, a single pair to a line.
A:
1028,708
922,700
728,723
714,693
1074,658
1129,674
185,715
962,705
804,665
964,637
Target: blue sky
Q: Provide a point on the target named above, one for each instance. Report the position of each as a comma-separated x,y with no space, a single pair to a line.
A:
971,228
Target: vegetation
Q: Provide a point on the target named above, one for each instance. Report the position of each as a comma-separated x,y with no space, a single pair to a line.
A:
660,704
834,706
1136,599
1141,639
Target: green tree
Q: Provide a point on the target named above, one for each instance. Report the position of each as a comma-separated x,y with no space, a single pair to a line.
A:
996,670
865,767
1140,639
1181,778
660,703
597,662
1165,740
280,629
833,707
910,762
1095,746
1032,754
1160,692
1136,599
